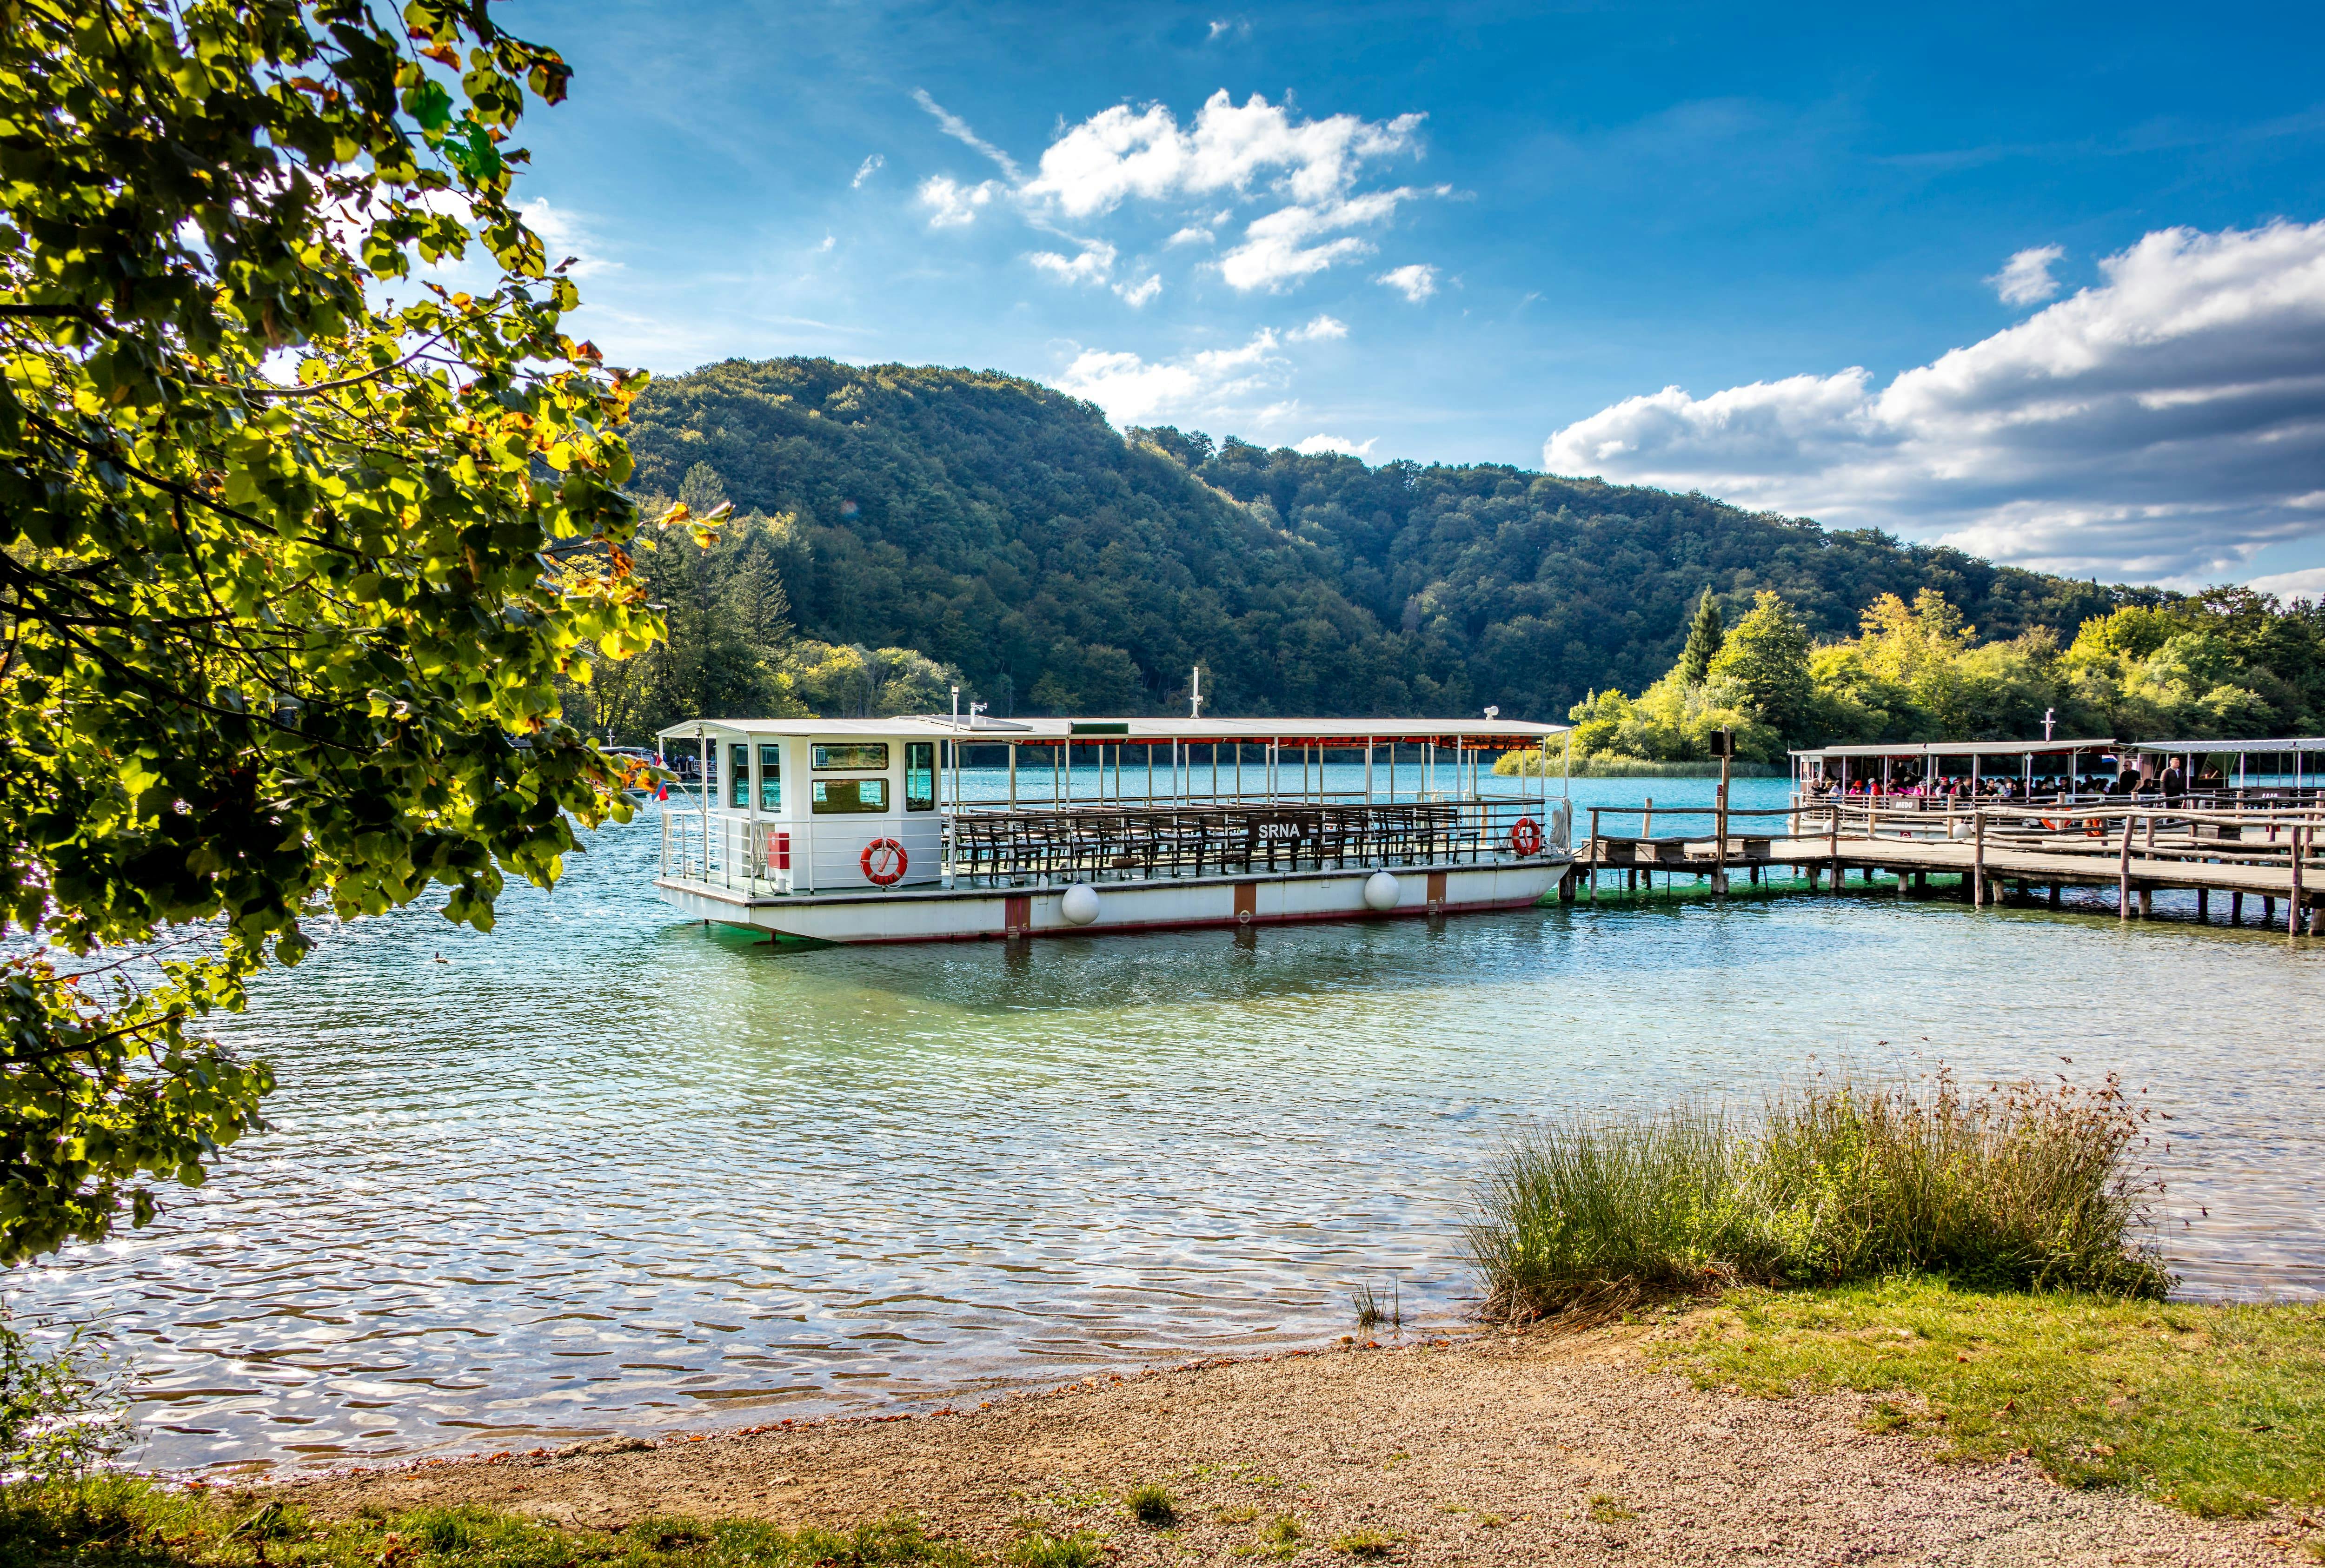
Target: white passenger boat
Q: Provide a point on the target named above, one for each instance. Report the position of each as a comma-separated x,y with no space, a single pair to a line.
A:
861,830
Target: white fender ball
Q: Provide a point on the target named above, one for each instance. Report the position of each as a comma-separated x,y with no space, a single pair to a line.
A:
1079,906
1380,891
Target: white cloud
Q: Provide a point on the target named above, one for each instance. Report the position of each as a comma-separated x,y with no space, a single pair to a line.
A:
1119,152
1092,266
828,243
955,204
1317,330
2025,278
1134,390
1304,169
1136,295
1340,444
2166,424
1228,26
2303,584
866,170
562,235
954,126
1273,252
1415,283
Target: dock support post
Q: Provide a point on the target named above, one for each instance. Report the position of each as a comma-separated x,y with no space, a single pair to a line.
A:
2236,909
2267,911
2204,904
2292,907
2122,874
1566,887
2148,903
2054,894
1719,857
1977,859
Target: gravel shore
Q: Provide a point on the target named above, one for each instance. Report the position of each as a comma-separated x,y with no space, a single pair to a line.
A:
1535,1448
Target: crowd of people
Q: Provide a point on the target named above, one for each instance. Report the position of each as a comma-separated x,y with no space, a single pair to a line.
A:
2170,783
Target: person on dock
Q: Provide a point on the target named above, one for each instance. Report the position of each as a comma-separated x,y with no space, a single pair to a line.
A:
2175,782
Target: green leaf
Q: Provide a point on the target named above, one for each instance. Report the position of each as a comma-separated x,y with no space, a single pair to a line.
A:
427,102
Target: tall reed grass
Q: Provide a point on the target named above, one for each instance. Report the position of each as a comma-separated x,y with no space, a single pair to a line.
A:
2021,1186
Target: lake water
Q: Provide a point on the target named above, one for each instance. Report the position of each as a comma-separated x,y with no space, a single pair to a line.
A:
602,1171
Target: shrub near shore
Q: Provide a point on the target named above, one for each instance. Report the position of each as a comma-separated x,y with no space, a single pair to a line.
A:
2024,1187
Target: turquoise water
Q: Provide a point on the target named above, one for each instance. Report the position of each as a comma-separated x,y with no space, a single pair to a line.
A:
604,1171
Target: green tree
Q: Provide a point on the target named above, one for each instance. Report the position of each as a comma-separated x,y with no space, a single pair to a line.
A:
1766,658
294,540
1705,634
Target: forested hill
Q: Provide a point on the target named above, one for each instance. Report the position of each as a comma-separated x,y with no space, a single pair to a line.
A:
1005,528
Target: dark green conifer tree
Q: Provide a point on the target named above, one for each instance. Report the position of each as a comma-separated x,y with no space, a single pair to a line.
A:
1704,636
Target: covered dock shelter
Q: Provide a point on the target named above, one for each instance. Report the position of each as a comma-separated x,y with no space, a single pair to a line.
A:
2287,770
1894,766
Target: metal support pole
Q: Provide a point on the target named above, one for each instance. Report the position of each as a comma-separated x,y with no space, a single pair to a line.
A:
2123,873
1977,859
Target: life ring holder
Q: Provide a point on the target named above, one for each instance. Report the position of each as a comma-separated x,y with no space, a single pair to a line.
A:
1525,836
891,859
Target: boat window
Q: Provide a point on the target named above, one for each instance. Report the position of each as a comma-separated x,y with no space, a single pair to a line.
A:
837,795
852,755
771,777
919,775
738,779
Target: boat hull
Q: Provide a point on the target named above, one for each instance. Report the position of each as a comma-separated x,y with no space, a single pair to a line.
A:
975,914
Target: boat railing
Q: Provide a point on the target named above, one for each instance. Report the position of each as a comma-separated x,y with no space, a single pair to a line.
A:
1021,848
726,851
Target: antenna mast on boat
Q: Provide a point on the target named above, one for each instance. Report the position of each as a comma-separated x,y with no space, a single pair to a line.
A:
1195,694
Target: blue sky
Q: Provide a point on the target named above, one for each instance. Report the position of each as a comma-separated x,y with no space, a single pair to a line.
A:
1486,233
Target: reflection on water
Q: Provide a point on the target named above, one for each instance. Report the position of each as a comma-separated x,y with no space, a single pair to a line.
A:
600,1171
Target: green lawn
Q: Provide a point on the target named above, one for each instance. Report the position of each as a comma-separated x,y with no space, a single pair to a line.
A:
2218,1410
132,1524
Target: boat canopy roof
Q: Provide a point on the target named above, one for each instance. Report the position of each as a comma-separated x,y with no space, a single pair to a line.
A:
1962,749
2233,748
1476,735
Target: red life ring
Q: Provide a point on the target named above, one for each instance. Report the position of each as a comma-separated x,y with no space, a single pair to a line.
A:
891,860
1525,836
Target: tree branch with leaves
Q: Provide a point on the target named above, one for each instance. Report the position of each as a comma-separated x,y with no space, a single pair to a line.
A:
296,538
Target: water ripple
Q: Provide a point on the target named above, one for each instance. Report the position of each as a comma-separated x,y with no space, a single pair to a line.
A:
601,1171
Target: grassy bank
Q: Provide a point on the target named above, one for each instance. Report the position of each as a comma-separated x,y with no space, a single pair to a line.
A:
127,1523
1832,1183
2216,1410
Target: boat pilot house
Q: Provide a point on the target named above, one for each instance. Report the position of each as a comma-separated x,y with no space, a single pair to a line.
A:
924,829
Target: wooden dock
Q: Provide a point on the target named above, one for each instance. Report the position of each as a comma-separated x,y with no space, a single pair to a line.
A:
2272,858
